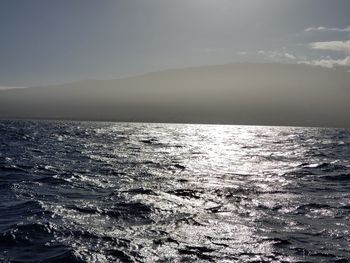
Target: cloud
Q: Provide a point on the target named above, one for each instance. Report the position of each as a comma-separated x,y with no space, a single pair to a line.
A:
324,61
343,46
10,87
242,53
322,28
278,55
290,56
328,63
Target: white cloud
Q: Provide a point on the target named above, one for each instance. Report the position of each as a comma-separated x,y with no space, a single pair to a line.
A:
10,87
328,63
343,46
322,28
242,53
282,55
278,55
274,54
290,56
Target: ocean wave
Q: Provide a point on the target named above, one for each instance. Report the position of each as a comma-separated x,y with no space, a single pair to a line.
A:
128,192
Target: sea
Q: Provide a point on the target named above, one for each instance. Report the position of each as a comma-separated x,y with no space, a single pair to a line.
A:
149,192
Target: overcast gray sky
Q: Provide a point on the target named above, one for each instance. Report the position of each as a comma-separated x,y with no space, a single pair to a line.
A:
48,41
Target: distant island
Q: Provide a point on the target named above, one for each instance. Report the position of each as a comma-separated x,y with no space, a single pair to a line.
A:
242,93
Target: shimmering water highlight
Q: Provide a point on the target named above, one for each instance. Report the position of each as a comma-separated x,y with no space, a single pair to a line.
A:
132,192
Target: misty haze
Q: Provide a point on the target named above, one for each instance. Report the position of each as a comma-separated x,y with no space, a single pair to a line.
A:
267,94
174,131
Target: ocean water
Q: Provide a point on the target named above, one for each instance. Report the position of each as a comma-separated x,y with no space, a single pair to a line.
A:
132,192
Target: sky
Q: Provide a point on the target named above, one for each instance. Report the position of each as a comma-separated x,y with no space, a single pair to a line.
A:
45,42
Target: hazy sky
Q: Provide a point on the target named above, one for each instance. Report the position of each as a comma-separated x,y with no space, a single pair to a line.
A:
48,41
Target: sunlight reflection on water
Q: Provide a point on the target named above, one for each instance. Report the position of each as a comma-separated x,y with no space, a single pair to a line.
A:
153,192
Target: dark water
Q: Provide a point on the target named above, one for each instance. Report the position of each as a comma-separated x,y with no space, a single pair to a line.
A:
109,192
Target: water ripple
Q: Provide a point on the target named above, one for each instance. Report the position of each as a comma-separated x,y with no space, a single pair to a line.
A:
133,192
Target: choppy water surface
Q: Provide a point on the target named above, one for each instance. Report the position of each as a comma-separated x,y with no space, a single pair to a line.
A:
106,192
